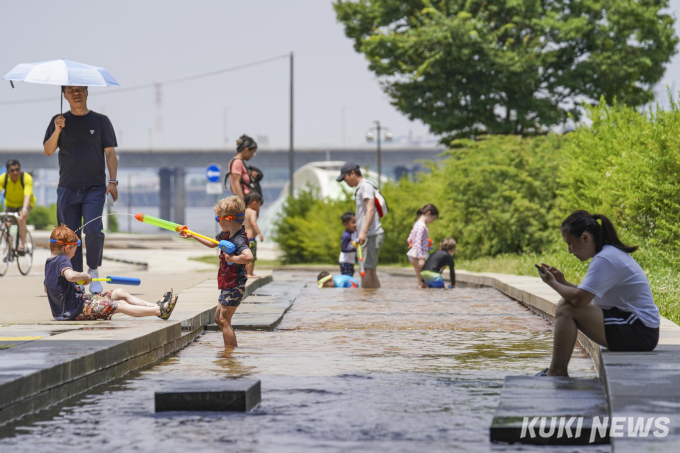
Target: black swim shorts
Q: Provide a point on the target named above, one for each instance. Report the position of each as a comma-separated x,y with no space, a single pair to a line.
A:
625,332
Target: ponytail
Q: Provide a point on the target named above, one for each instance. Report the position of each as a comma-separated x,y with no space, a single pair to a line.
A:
604,232
244,142
432,209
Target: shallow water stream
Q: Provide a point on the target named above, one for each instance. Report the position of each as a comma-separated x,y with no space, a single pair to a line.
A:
392,370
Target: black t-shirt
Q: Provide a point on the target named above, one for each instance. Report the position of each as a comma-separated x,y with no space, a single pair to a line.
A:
233,275
438,261
65,302
82,162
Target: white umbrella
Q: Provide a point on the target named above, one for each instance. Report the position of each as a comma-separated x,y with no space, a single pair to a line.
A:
61,72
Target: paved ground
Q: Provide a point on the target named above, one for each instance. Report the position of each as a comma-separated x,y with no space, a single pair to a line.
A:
22,298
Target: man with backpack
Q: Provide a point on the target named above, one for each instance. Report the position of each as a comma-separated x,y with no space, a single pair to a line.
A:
370,207
19,198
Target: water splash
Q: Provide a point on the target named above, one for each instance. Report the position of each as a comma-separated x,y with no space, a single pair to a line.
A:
103,215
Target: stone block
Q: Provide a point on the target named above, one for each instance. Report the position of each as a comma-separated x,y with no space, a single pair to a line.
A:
222,396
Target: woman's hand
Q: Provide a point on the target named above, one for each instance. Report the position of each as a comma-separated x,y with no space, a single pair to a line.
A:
559,276
547,276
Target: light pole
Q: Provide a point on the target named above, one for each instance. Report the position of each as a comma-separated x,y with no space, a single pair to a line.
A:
378,134
291,151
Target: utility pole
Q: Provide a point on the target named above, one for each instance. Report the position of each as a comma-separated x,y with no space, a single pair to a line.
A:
377,124
291,152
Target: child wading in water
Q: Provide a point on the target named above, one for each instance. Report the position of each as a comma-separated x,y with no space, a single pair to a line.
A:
231,278
431,271
69,304
253,202
347,249
418,240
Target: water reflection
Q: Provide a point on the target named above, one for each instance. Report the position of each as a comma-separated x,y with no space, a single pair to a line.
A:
395,370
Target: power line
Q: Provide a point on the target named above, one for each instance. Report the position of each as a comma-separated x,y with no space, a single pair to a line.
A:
150,85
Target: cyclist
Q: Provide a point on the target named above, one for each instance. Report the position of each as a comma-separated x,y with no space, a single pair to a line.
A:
19,198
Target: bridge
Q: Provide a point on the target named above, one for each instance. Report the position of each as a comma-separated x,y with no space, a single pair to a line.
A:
172,165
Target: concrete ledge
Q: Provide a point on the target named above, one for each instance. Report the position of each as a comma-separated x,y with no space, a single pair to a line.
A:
264,309
224,395
37,374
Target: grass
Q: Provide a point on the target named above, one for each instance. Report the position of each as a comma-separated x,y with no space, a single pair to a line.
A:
663,279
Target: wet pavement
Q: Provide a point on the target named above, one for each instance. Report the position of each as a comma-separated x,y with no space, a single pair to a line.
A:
392,370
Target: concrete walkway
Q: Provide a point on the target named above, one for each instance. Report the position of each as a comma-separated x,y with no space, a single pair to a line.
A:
43,361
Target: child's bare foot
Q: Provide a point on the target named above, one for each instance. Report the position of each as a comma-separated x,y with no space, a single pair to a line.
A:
252,276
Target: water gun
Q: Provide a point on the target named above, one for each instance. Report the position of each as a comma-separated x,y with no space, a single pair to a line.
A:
361,259
224,245
116,281
430,245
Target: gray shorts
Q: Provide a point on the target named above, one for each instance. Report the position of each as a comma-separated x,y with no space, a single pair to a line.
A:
371,250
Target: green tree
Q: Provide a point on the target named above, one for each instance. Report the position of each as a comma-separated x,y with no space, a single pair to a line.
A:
475,67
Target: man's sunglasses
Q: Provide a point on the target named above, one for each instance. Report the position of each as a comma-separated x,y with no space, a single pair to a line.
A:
14,170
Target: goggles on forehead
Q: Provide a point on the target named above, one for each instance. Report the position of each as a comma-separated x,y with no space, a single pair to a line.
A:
54,241
238,218
324,280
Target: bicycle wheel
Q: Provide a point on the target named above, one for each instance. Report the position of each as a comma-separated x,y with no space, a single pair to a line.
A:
4,251
25,261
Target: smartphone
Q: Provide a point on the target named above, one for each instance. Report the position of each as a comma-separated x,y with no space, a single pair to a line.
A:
110,200
540,271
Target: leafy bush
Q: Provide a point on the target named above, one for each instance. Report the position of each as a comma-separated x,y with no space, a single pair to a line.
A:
309,230
626,166
43,217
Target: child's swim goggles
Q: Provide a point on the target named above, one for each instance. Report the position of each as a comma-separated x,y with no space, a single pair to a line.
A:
238,218
66,243
324,280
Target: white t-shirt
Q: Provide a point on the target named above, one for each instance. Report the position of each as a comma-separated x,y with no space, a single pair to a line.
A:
366,190
617,280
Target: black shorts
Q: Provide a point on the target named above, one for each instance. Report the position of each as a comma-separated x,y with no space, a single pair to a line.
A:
625,332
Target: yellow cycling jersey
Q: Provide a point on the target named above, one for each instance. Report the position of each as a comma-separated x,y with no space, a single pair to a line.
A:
14,196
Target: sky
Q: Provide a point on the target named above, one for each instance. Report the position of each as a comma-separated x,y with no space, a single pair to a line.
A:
155,41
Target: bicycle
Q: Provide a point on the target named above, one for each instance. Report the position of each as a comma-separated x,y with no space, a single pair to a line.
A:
9,246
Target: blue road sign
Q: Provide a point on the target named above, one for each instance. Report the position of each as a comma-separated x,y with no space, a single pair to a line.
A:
213,173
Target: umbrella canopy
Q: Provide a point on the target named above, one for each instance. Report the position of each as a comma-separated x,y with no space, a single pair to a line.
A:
61,72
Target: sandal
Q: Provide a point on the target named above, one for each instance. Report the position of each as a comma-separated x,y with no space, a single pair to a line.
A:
542,373
166,297
166,309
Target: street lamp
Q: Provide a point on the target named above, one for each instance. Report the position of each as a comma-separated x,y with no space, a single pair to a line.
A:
371,135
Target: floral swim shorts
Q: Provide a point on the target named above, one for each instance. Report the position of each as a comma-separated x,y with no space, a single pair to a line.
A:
231,297
98,306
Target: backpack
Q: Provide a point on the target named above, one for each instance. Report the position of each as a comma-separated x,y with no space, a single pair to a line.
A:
380,202
21,179
254,182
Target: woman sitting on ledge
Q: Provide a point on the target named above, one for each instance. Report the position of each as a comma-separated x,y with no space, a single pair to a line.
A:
622,315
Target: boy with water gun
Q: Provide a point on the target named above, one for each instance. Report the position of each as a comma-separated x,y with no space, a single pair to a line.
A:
348,244
69,303
253,202
231,277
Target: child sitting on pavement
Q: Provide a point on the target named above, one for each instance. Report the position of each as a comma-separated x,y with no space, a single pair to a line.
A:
326,280
231,278
431,273
253,202
418,240
347,248
68,303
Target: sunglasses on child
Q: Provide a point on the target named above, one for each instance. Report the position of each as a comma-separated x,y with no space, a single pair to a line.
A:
54,241
230,217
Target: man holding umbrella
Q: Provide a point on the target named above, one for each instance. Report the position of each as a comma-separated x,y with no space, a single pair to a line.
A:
86,142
